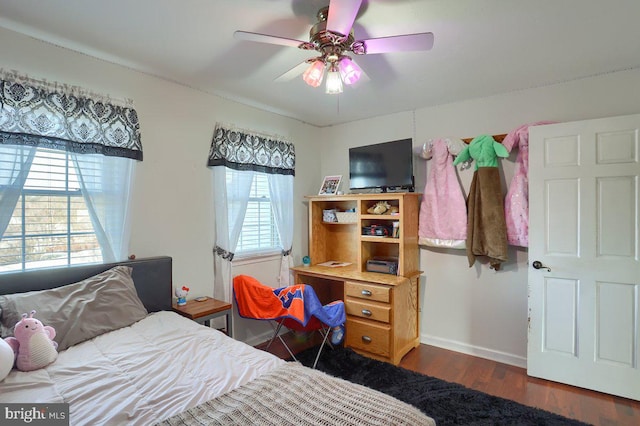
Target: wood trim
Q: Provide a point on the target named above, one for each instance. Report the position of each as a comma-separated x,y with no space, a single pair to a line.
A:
195,309
498,138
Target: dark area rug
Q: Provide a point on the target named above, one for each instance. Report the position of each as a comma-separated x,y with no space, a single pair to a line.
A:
447,403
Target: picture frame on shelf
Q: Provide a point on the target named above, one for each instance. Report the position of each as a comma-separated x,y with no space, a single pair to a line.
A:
330,185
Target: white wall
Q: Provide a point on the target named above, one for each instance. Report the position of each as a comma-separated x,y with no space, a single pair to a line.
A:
477,310
173,210
473,310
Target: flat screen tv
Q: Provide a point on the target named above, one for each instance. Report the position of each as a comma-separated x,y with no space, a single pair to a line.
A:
384,166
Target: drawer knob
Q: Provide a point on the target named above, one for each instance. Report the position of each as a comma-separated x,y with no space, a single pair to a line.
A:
366,312
366,339
366,293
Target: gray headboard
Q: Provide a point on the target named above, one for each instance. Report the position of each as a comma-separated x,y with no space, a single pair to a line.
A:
151,276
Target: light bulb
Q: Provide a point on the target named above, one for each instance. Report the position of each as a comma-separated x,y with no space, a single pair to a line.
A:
334,82
349,70
313,75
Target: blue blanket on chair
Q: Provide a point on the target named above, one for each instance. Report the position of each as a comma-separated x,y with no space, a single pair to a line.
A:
298,302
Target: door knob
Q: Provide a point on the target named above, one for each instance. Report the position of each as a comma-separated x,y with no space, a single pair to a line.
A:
538,265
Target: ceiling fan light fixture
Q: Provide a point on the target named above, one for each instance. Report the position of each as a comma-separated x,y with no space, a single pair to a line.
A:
334,81
349,70
332,37
313,75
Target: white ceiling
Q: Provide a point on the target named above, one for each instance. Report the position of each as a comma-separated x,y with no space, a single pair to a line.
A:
482,47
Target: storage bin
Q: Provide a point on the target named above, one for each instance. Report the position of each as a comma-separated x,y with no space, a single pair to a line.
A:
329,215
347,217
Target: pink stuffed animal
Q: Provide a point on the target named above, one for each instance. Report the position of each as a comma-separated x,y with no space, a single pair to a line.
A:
33,344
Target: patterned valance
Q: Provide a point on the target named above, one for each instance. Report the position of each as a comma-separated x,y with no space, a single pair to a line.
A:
244,150
52,115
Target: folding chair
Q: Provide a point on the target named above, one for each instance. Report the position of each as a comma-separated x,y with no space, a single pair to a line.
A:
295,307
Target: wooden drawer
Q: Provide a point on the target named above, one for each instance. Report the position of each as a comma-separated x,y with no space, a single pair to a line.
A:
379,293
368,336
368,310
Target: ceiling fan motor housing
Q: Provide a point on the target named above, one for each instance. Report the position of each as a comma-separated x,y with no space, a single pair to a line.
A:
330,44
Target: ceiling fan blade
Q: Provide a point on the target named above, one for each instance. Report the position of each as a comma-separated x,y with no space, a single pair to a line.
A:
293,72
265,38
401,43
342,13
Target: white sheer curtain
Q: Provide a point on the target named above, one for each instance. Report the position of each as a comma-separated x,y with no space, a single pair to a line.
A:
15,162
231,195
281,193
234,155
106,185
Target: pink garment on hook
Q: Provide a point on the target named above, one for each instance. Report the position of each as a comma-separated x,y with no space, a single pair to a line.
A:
443,211
516,202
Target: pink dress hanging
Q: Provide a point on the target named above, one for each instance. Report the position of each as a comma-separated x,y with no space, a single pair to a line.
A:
516,202
443,211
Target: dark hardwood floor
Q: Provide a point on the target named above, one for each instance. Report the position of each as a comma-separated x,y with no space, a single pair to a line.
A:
509,382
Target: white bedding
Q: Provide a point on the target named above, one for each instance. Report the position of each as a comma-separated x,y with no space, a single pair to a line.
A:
141,374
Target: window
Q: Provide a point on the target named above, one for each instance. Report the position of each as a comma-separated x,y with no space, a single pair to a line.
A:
50,225
66,174
259,234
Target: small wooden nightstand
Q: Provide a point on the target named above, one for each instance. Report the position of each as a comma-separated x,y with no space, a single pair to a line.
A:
203,312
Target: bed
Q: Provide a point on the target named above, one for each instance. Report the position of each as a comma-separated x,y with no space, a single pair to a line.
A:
126,359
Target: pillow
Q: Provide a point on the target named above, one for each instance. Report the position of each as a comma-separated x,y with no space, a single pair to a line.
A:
79,311
7,359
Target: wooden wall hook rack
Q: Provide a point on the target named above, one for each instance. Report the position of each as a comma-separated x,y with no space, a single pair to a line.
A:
498,138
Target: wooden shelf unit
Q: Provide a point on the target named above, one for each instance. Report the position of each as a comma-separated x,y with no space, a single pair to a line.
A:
382,309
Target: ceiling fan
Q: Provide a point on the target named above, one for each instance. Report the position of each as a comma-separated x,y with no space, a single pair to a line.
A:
332,37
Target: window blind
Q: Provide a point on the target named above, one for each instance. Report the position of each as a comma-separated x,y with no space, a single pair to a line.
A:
50,225
259,232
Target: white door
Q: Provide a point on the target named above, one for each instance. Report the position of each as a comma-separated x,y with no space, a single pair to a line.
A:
584,317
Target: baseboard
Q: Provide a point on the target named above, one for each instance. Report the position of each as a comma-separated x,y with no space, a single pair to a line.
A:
259,338
452,345
465,348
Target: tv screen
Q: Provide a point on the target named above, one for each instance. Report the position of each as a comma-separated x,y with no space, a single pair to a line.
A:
387,165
